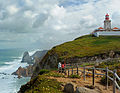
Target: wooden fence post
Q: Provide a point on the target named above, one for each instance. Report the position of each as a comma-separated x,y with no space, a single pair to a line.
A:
114,80
77,69
65,71
72,70
84,72
106,77
93,72
61,69
68,72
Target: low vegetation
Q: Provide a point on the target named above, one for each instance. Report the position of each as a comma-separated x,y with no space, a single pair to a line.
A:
54,74
41,84
111,65
74,76
87,64
114,64
43,71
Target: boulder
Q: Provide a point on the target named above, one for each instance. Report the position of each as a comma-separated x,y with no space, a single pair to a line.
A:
85,90
26,58
69,88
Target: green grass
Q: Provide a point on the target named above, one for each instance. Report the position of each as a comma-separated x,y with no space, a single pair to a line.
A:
87,46
54,74
87,64
43,71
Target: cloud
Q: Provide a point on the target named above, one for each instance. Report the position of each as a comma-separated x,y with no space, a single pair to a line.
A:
46,23
40,20
12,9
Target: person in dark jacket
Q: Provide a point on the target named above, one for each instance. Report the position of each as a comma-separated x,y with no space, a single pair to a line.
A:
63,67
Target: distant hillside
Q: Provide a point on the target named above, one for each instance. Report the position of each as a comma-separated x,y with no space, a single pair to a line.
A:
82,49
87,46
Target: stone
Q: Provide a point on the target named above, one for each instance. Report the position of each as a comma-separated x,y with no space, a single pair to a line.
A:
69,88
19,76
85,90
111,54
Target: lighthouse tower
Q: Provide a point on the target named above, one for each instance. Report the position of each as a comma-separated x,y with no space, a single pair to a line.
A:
107,23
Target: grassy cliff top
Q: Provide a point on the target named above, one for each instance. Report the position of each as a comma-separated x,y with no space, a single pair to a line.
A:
87,46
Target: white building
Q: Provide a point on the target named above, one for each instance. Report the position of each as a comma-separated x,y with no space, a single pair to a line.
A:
107,30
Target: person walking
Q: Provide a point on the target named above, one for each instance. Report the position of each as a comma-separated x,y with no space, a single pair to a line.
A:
63,67
59,66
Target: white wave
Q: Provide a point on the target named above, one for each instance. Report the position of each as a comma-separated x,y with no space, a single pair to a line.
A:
15,64
17,57
12,66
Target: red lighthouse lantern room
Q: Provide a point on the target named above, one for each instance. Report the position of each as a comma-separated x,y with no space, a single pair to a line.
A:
107,17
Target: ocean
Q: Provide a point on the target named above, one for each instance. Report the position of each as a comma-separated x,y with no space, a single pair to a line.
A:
10,60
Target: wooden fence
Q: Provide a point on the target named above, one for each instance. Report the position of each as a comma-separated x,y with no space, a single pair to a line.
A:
75,68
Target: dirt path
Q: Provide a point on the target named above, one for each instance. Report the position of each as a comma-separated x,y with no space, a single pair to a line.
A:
88,82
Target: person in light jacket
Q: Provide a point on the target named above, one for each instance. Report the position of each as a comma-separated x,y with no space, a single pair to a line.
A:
59,66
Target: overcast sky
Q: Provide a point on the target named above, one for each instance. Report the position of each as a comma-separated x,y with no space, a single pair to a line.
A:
46,23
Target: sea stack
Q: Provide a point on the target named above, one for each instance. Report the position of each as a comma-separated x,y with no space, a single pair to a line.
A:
26,58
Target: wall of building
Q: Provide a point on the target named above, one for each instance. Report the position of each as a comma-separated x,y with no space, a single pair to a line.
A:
104,33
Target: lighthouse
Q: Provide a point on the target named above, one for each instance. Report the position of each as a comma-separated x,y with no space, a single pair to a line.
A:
107,23
107,30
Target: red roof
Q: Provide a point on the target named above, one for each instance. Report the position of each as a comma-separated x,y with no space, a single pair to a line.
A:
100,28
115,28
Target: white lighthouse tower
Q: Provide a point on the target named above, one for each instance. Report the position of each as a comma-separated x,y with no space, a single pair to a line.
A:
107,23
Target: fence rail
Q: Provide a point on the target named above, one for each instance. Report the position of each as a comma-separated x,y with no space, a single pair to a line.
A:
76,68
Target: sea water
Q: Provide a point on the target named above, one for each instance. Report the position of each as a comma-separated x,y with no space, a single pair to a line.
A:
10,60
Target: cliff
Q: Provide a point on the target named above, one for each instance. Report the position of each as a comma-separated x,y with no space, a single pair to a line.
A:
83,49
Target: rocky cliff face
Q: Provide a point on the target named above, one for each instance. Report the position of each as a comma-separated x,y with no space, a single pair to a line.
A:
52,59
39,54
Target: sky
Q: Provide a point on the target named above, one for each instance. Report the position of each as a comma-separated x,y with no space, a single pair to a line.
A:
46,23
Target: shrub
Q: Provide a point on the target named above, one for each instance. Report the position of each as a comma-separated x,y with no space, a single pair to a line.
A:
110,82
103,81
74,76
43,71
55,74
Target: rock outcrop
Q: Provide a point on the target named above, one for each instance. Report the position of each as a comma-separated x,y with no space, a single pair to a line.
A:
39,54
32,61
25,72
26,58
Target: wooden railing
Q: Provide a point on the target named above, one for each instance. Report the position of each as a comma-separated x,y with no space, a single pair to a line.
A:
75,67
